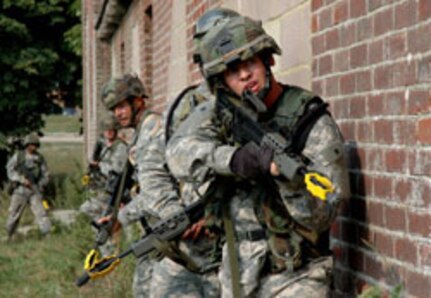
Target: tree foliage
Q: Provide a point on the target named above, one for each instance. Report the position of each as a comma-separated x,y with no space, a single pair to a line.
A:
40,51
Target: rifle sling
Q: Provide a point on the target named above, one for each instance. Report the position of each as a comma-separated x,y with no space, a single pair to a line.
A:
233,256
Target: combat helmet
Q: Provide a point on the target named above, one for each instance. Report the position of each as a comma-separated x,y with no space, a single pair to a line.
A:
31,138
118,89
210,19
108,123
239,39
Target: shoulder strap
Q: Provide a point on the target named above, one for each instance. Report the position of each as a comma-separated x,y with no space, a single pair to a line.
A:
172,109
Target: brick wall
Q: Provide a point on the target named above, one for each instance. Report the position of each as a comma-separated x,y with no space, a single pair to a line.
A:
372,61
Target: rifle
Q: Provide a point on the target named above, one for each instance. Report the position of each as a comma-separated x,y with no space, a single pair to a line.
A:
243,122
93,171
164,230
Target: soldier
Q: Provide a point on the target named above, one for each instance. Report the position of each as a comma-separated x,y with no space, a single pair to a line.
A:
125,97
280,229
196,274
28,171
107,161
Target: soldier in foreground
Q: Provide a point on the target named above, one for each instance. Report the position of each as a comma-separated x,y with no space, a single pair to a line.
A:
28,172
125,97
277,230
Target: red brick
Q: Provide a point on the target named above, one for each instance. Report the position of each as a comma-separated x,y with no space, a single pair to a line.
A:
375,214
325,18
394,103
316,4
406,14
341,11
318,44
332,39
396,45
325,65
374,4
420,162
424,69
420,223
357,8
375,159
314,23
419,102
357,107
364,29
358,56
347,84
417,284
402,189
402,74
332,86
396,160
341,61
423,131
376,51
348,130
384,244
382,77
340,109
383,132
347,34
403,132
373,267
382,187
406,251
416,43
363,134
395,218
425,254
363,81
383,22
424,10
375,105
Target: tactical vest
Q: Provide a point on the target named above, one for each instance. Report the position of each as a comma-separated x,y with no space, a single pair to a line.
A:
293,116
35,172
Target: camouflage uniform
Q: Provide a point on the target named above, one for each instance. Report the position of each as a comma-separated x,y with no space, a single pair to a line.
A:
204,134
131,212
36,165
112,159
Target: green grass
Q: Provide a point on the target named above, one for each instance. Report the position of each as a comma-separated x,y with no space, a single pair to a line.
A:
61,123
32,266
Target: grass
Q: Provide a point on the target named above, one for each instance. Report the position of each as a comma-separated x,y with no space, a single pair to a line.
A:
61,123
32,266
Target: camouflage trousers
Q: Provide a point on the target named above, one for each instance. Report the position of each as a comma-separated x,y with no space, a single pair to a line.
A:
171,279
19,201
95,205
311,281
142,277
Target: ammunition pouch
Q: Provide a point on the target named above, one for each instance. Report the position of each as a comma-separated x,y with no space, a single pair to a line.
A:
285,252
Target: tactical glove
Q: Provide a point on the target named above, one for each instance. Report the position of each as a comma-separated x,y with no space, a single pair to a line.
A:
251,161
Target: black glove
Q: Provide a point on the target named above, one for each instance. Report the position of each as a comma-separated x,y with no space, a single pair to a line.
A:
251,161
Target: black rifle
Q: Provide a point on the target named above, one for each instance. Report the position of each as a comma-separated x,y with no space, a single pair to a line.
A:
118,187
164,230
243,122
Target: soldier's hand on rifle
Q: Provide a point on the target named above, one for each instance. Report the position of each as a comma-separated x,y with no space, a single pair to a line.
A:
94,165
116,226
252,161
196,230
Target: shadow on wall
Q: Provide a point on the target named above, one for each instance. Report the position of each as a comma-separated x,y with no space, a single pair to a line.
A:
355,250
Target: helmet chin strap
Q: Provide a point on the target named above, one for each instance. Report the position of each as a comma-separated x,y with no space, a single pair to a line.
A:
267,87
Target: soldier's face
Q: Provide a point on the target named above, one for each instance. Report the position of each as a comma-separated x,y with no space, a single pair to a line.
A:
248,74
110,134
123,112
31,148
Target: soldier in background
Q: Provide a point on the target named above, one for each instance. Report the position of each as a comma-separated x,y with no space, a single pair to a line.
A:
126,98
107,163
28,172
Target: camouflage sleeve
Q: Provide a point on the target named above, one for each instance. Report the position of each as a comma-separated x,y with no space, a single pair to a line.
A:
44,179
195,148
323,140
12,171
157,188
115,160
